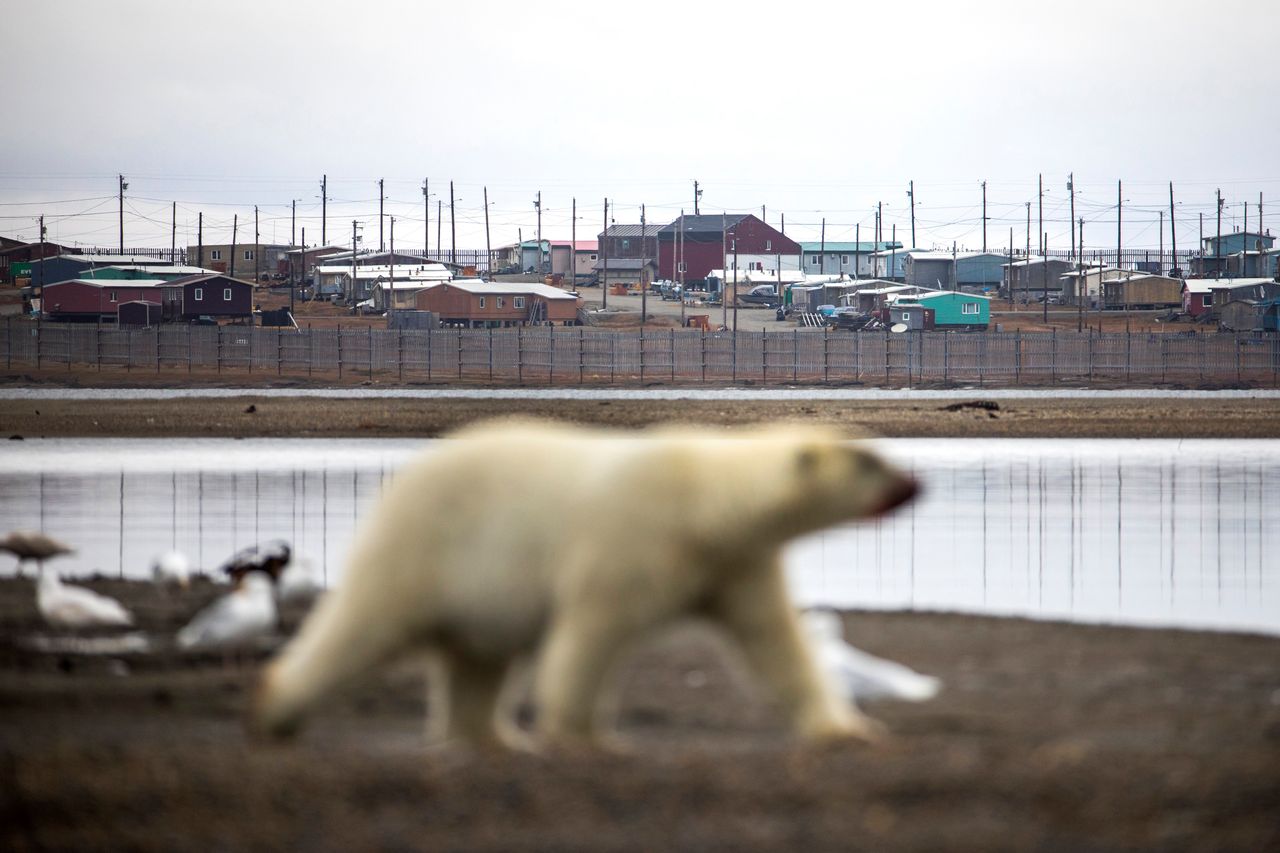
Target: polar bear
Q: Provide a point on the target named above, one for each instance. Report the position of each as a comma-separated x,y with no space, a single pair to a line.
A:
518,540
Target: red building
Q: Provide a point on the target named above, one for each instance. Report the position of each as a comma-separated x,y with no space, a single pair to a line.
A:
711,238
91,300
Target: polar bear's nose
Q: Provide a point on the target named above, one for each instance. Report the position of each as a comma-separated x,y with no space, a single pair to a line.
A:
903,490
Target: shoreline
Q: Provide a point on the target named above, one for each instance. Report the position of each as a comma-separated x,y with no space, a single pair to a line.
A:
250,415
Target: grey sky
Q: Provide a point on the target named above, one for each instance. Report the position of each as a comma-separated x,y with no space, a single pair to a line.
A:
812,109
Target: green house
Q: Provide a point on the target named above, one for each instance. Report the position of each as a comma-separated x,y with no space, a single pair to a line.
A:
956,310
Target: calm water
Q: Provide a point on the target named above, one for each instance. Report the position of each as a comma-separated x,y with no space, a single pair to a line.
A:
1134,531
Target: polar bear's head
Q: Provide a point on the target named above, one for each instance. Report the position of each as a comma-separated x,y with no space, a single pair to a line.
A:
835,481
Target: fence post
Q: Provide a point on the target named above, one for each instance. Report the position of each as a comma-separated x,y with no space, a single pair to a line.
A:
642,353
826,353
734,373
886,355
519,355
1235,338
1164,359
370,349
551,354
491,353
279,352
157,353
188,348
795,355
251,336
1017,357
460,353
672,348
339,350
400,353
857,355
128,351
8,342
702,350
311,349
764,354
429,348
1053,356
39,337
581,353
613,347
1128,354
946,356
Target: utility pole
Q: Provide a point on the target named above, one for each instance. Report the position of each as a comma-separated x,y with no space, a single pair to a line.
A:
1120,239
1044,257
573,244
604,258
302,269
1082,290
439,226
43,255
1173,233
354,280
123,187
724,272
293,225
763,218
257,248
680,255
453,228
697,194
735,287
382,247
488,252
235,225
984,217
1217,246
173,235
879,222
391,275
537,206
200,239
822,250
644,287
1160,263
1071,188
911,194
324,210
857,250
426,218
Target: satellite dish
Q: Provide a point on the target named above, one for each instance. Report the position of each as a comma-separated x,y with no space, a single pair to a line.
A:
898,328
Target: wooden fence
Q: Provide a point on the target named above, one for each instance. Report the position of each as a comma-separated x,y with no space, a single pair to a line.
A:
550,355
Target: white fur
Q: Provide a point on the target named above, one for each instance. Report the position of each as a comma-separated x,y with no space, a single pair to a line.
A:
524,539
860,676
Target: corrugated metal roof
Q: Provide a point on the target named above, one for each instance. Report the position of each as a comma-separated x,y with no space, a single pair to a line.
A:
504,288
650,230
836,246
114,283
706,223
625,264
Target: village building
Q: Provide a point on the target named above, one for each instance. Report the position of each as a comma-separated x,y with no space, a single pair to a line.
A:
247,261
1197,296
1086,281
68,267
954,270
835,258
1034,278
16,257
692,246
1216,252
626,272
93,301
1140,291
476,304
574,261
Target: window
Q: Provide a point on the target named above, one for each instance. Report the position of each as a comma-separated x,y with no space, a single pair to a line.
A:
482,302
519,301
1208,300
906,318
682,267
968,308
844,260
248,254
593,257
199,294
502,302
813,260
768,245
215,254
226,295
113,296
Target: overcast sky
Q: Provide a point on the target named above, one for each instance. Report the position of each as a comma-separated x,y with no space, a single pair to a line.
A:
813,110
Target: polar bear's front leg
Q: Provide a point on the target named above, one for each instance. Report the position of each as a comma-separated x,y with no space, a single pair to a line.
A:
474,687
755,608
572,667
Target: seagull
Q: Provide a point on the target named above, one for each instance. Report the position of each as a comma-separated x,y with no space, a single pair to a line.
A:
270,557
74,607
171,569
235,620
297,583
29,545
857,675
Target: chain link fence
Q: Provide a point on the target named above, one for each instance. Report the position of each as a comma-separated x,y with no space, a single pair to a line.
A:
552,355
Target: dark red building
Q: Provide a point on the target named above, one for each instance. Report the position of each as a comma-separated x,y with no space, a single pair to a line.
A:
214,295
709,238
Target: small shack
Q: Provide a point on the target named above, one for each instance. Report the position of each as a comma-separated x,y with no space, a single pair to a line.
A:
139,313
1141,292
957,310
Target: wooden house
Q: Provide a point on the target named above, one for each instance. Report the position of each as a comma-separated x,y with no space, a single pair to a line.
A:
478,304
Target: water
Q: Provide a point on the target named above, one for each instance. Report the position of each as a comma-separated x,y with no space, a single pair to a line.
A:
1130,531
